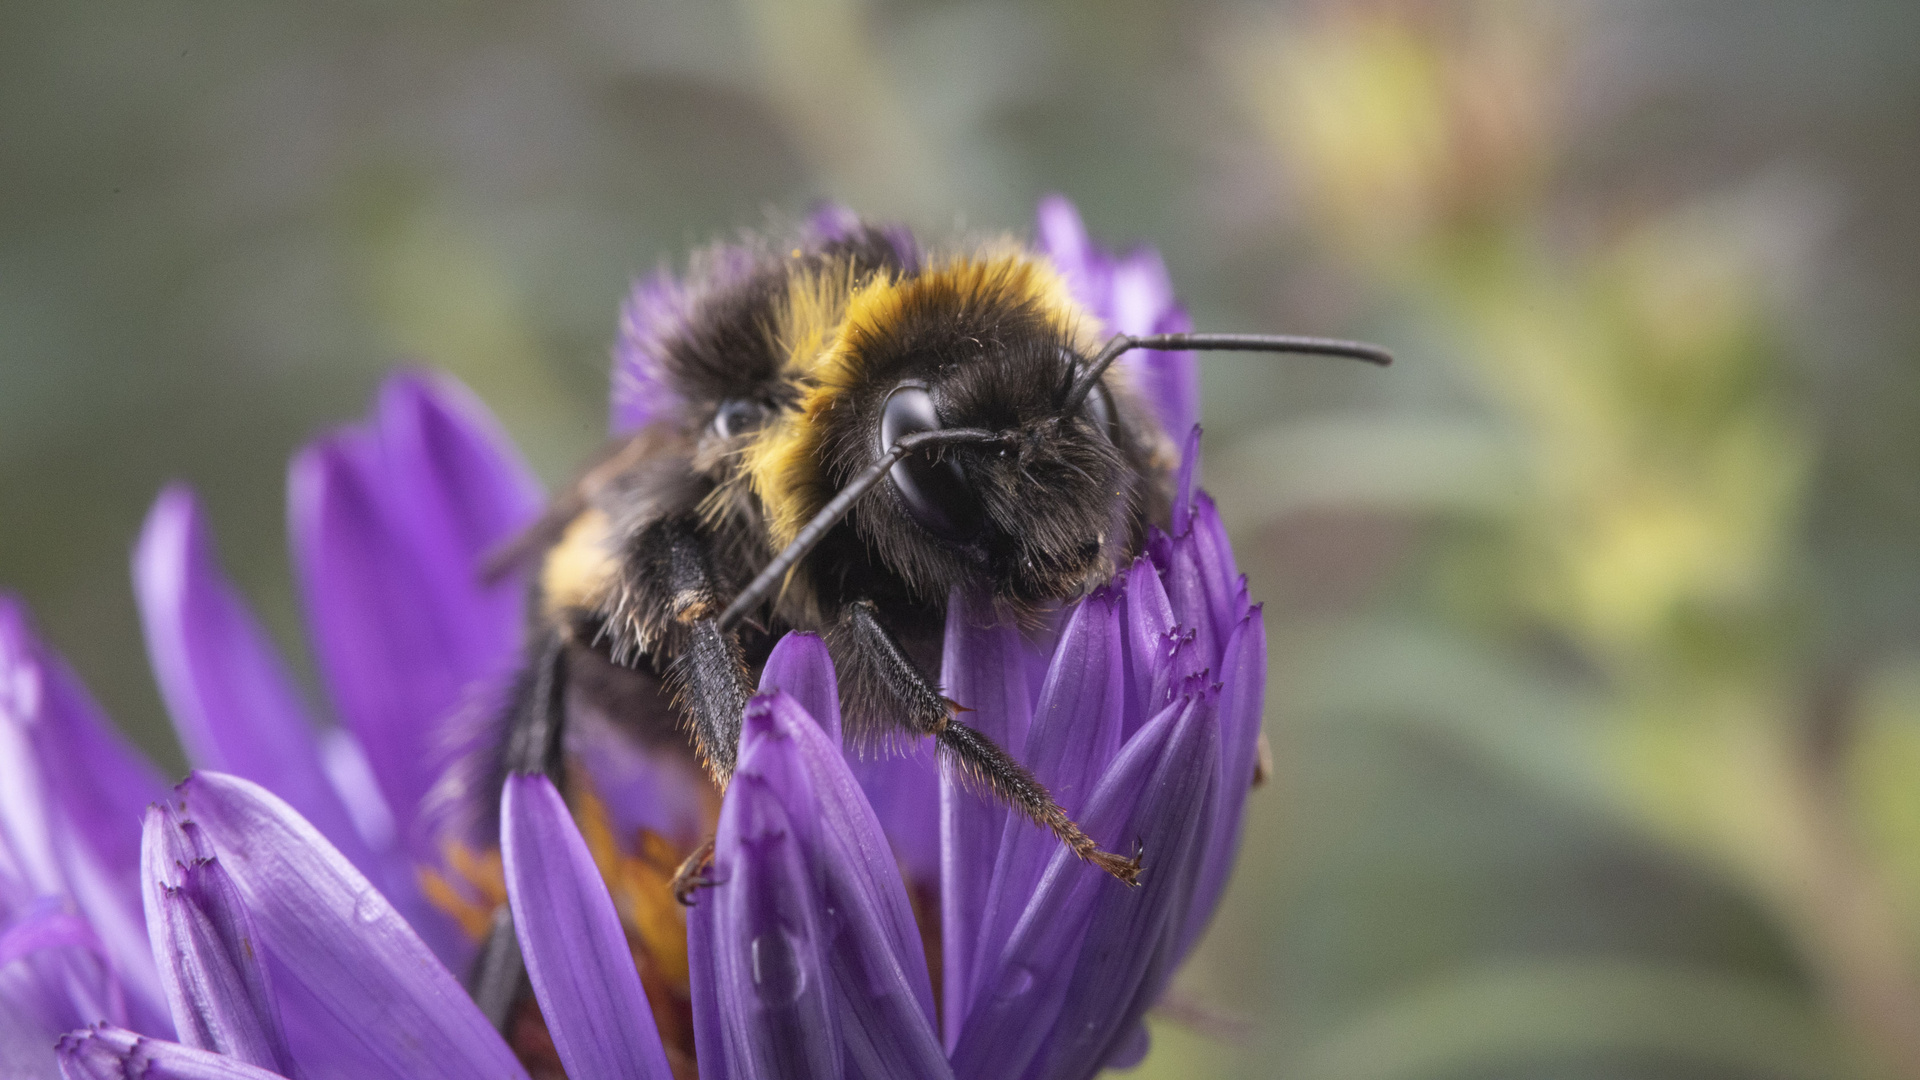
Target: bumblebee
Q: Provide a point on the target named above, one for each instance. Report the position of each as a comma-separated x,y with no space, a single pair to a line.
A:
860,427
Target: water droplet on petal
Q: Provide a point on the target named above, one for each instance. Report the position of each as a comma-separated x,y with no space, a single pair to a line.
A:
778,977
1015,983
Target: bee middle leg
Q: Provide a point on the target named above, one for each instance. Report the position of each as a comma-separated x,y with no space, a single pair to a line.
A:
880,669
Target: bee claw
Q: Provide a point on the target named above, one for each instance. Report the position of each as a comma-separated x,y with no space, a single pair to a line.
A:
692,874
1127,869
954,708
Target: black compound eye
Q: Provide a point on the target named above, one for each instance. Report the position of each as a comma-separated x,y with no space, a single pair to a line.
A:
737,416
934,488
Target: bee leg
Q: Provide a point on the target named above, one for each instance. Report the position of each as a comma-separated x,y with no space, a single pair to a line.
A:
534,744
692,873
709,676
881,669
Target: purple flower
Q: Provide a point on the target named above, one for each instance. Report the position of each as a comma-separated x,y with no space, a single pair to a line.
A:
1132,294
296,908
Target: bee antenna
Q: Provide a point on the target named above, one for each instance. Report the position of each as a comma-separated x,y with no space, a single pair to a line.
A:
1274,343
810,534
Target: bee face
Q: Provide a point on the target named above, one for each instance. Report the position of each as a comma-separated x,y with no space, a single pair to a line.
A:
1031,519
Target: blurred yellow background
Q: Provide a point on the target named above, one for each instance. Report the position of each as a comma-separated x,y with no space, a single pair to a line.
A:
1596,621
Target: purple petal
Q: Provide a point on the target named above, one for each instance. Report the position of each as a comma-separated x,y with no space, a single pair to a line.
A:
1063,239
1242,699
1131,295
111,1053
1226,588
902,783
1132,942
1183,482
54,976
770,978
1152,793
830,221
1132,1049
800,665
984,669
389,527
1143,303
1160,655
1076,731
204,944
1186,583
465,491
374,996
71,795
709,1017
233,702
816,967
577,954
642,391
655,788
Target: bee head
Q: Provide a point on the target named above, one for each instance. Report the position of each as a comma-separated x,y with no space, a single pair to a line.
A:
1034,514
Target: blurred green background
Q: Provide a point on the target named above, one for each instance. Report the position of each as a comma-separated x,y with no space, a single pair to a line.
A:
1596,622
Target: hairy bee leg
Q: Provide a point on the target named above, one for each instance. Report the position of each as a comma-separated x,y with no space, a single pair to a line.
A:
709,675
534,744
881,660
710,679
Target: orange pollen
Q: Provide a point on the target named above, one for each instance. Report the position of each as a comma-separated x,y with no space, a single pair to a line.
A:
471,886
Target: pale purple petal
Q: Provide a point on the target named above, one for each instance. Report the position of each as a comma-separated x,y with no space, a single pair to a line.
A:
1150,794
71,796
389,527
1063,239
206,948
380,1000
351,774
984,669
1076,732
232,699
1130,295
462,490
816,966
111,1053
830,221
1183,482
385,657
54,976
577,955
1142,303
642,392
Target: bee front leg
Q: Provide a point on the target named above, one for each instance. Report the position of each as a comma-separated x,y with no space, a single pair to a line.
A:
883,681
708,677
